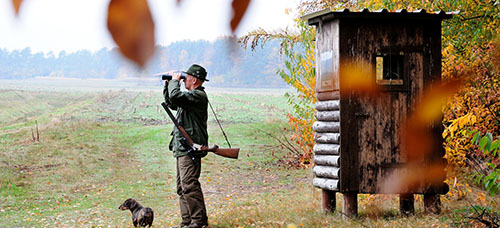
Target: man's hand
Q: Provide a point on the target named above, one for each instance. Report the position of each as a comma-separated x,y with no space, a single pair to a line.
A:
176,75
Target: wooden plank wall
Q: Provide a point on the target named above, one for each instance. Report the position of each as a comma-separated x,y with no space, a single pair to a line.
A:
358,135
327,127
371,125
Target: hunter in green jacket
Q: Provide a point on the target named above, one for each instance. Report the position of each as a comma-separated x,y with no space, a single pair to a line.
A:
192,114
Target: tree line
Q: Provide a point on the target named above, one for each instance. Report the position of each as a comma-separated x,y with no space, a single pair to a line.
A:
228,64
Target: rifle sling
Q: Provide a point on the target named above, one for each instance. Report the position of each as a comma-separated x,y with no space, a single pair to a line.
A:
181,129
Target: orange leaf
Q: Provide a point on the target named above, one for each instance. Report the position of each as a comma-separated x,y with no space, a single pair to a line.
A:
496,54
132,28
239,9
430,107
418,135
17,5
357,76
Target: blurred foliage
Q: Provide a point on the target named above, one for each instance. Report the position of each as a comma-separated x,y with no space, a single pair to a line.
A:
239,7
132,27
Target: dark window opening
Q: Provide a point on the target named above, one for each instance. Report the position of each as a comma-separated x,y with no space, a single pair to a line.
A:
390,69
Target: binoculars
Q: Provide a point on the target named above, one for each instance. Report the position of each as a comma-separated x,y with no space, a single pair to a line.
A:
166,76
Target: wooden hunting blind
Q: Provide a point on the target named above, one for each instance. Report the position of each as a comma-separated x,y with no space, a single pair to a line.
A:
358,135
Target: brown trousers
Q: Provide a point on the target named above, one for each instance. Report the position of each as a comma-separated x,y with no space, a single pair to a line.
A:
191,201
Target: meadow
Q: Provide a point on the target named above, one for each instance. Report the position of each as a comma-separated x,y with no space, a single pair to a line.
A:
72,151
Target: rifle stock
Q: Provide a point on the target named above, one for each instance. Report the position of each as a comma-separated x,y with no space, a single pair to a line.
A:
224,152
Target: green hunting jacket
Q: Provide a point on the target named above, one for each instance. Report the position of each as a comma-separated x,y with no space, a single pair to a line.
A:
192,115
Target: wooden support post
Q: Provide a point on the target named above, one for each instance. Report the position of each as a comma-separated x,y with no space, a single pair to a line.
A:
329,201
432,203
406,204
350,207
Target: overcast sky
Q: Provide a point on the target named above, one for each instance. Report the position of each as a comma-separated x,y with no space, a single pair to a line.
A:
55,25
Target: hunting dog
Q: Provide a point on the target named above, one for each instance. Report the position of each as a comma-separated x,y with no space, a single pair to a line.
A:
141,216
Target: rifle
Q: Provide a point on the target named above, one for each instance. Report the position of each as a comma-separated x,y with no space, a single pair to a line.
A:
188,143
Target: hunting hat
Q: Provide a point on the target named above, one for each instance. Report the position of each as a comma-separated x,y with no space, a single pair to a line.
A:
197,71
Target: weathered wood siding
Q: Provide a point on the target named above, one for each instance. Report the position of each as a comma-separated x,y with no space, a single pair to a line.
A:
327,125
327,61
371,126
358,143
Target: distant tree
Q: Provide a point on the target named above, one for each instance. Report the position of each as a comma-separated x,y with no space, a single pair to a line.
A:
226,67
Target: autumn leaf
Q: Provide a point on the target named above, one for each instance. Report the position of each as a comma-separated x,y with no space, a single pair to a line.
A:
418,137
239,9
357,76
496,54
17,5
132,28
430,107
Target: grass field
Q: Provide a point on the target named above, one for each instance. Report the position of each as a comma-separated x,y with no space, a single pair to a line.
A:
103,143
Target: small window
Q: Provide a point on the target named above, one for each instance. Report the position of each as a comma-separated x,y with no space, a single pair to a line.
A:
390,69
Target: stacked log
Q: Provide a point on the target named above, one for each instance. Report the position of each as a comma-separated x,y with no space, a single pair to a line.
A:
327,144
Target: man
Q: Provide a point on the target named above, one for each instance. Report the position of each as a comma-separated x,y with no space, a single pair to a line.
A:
191,106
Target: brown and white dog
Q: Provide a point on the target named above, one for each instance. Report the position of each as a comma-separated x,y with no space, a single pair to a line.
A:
141,216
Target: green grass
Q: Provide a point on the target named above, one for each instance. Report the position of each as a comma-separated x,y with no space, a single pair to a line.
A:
98,148
86,166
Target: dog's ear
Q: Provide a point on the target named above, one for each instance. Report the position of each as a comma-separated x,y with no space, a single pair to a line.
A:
132,203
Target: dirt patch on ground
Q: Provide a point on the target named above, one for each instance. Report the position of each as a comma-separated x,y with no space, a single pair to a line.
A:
253,181
30,169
